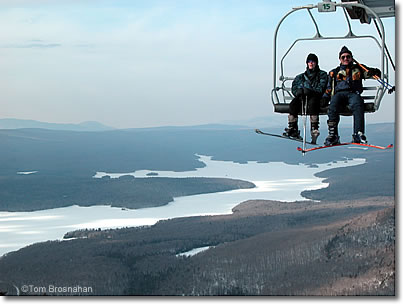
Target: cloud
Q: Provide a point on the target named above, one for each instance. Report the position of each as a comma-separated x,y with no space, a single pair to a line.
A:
27,45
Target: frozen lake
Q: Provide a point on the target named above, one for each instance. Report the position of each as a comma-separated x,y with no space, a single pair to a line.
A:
274,181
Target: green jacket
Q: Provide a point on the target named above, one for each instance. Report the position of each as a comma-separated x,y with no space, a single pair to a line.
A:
315,80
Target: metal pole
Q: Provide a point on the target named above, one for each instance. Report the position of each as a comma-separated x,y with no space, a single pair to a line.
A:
304,110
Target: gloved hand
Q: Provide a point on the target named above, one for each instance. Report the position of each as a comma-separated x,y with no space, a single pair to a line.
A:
373,72
300,93
324,102
307,92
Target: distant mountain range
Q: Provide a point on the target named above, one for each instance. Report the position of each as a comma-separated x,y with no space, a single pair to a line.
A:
277,122
13,123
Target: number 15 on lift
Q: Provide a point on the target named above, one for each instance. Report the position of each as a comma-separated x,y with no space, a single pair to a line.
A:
326,6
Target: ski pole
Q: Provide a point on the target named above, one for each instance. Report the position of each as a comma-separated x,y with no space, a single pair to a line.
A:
373,76
383,82
386,85
304,110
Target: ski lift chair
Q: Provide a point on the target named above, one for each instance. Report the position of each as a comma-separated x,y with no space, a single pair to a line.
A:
281,94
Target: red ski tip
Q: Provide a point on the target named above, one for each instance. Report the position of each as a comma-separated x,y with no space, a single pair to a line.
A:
344,144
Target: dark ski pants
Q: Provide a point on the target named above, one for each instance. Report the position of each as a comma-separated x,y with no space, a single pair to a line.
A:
312,109
356,104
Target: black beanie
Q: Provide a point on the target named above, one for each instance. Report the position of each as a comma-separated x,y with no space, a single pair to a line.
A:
312,57
344,50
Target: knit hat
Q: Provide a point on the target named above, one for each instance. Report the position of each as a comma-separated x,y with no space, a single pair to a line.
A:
344,50
312,57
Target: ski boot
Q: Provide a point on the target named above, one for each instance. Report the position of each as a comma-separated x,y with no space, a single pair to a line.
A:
333,137
314,136
314,128
292,131
359,138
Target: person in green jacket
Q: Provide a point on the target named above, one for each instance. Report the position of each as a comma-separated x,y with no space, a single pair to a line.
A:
307,87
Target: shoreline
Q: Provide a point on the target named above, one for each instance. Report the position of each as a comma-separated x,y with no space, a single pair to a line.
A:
59,221
348,237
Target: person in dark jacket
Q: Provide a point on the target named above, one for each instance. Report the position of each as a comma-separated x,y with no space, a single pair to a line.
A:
307,87
345,87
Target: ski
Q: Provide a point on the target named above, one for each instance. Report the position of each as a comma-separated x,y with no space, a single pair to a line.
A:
345,144
281,136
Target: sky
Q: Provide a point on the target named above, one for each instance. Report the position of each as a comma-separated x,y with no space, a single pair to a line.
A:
139,63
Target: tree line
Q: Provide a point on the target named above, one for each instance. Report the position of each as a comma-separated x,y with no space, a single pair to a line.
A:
301,253
31,192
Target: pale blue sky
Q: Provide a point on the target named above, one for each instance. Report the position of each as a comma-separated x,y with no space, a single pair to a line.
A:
150,63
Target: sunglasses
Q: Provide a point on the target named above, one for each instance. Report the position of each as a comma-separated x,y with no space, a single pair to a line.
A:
310,61
346,57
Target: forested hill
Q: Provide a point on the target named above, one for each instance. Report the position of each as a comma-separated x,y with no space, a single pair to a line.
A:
263,248
30,193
